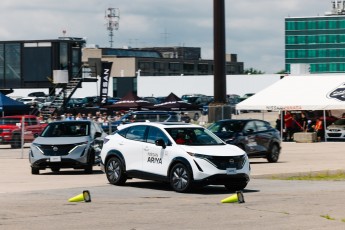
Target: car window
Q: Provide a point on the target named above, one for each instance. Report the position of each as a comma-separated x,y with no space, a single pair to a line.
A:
136,133
262,126
63,129
155,134
193,136
250,126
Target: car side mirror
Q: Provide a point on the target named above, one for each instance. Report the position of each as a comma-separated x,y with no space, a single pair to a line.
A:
250,131
98,134
160,142
36,135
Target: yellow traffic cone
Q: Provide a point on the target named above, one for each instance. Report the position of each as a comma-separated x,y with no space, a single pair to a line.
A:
238,197
85,196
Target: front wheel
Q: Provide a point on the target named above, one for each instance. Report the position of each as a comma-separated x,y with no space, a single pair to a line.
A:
273,154
181,178
16,142
35,171
115,171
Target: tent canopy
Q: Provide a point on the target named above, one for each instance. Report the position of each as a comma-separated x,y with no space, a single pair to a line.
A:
8,106
309,92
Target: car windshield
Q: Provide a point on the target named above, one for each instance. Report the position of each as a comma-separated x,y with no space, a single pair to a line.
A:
228,126
340,122
193,136
66,129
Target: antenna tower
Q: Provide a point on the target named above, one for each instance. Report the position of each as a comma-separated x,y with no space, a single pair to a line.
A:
112,15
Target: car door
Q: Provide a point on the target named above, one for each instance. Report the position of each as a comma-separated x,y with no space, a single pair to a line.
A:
156,159
263,135
132,147
250,132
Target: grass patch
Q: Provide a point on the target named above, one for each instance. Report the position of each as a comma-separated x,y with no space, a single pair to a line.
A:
327,217
322,176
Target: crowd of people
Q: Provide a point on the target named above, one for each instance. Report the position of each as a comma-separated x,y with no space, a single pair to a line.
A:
300,122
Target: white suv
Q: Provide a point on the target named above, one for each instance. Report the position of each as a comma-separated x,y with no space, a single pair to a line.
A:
182,154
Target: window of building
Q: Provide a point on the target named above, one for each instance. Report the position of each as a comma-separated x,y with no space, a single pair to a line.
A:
203,68
322,39
332,38
341,38
333,67
322,53
342,24
312,53
13,64
144,66
322,25
333,53
332,24
290,40
188,67
63,56
312,25
342,67
290,53
301,39
290,25
301,53
341,52
312,39
2,66
301,25
158,66
174,66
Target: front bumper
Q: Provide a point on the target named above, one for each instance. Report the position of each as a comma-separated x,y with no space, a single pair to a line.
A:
221,179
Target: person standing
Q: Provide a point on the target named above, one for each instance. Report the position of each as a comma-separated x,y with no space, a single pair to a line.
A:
288,126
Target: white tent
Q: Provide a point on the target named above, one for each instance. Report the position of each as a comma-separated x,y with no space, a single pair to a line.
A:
309,92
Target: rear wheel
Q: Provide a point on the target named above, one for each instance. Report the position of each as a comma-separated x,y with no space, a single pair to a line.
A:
115,171
181,178
273,154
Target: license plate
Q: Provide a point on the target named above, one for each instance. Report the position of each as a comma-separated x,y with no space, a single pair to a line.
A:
55,159
230,171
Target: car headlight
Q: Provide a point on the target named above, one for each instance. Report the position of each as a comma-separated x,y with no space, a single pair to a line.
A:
77,146
38,147
197,155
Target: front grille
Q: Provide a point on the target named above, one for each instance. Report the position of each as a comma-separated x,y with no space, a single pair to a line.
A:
334,134
56,150
225,162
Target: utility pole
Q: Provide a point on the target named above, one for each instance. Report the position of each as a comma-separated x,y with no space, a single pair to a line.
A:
219,51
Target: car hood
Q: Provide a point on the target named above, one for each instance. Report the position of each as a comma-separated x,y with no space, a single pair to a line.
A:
336,127
215,150
60,140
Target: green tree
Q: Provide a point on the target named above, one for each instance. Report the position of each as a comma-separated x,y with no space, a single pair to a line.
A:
253,71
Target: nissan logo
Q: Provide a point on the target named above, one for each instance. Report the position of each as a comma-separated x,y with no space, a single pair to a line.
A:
231,161
55,148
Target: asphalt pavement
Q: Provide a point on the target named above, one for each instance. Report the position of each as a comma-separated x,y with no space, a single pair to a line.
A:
41,201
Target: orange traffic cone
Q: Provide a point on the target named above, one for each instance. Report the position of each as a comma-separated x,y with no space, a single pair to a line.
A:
85,196
238,197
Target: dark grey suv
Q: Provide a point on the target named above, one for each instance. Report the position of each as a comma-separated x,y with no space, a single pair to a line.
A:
257,137
67,144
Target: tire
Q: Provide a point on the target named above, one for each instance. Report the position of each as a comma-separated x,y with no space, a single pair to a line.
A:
235,186
115,171
181,179
16,142
89,168
55,169
35,171
273,154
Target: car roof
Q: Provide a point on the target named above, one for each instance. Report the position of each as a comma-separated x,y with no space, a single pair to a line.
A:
161,125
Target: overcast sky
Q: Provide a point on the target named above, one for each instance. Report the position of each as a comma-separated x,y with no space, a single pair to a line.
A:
254,28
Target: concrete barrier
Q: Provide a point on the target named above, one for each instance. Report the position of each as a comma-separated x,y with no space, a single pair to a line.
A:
304,137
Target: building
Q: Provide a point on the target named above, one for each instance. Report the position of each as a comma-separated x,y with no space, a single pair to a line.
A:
129,63
317,41
31,63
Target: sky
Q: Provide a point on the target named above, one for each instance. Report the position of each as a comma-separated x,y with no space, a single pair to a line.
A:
254,29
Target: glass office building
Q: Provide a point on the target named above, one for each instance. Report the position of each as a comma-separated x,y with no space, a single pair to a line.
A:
317,41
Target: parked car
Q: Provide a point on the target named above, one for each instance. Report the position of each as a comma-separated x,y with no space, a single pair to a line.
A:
151,151
257,137
142,116
67,144
336,131
11,129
